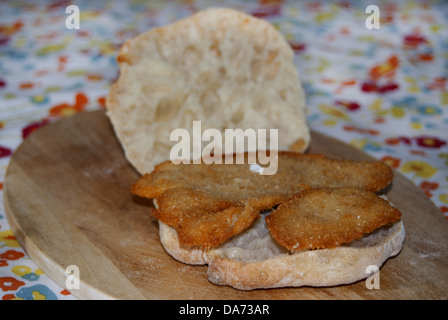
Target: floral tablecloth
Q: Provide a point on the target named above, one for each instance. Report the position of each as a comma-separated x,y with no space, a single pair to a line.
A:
381,90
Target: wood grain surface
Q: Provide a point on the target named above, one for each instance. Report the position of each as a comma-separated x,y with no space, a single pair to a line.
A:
68,202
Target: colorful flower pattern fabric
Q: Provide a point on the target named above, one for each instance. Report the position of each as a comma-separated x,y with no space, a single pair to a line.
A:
383,90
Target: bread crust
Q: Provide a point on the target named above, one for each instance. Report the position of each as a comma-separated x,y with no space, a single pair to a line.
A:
318,268
219,66
170,241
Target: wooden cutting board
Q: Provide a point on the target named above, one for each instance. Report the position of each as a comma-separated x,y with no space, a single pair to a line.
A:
68,202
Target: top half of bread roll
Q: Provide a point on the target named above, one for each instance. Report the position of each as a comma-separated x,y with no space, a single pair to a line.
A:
220,66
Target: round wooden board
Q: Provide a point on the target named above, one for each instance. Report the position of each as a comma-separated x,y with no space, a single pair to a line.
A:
68,202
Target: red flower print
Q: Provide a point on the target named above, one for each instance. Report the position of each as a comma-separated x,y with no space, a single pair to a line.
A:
349,105
266,12
369,86
4,152
59,4
430,142
4,40
298,46
268,8
32,127
3,263
12,255
372,86
10,283
388,87
439,83
412,41
360,130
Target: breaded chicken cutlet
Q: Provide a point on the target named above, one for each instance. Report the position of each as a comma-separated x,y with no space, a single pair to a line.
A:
328,217
209,203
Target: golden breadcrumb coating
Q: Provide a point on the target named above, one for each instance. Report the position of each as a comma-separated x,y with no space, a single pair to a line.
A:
328,217
209,203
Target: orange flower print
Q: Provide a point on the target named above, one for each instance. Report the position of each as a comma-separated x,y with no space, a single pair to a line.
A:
398,140
10,283
26,85
80,101
102,102
11,29
65,109
391,161
444,210
428,186
65,292
12,255
386,69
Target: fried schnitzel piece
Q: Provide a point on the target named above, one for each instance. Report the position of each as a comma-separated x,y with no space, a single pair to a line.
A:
207,219
328,217
313,170
209,203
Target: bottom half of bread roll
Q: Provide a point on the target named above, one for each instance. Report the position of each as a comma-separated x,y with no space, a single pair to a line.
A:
253,259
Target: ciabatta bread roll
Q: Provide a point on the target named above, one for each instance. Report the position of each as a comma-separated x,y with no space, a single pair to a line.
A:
254,260
219,66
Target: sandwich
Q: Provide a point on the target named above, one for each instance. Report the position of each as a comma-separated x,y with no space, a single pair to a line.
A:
315,222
